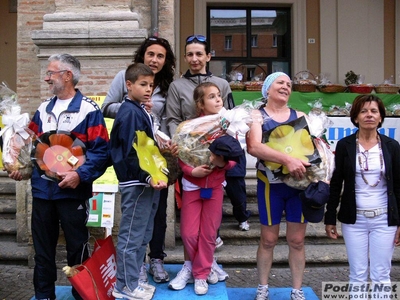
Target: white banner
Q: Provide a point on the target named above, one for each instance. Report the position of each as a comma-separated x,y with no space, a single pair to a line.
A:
343,127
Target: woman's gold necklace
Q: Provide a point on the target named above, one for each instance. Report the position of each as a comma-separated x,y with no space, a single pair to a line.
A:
360,162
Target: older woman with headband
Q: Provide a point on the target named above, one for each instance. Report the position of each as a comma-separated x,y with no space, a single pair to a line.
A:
275,197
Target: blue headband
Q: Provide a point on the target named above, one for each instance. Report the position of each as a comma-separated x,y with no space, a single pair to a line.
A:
269,80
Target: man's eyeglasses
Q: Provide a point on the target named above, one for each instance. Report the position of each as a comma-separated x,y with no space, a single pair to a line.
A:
49,73
200,38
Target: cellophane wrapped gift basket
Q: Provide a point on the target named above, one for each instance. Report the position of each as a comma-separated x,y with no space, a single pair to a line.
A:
235,82
302,138
255,84
304,81
393,109
356,83
326,86
17,138
193,137
387,87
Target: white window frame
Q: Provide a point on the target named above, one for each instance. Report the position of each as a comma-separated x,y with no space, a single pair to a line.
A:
228,43
275,40
254,40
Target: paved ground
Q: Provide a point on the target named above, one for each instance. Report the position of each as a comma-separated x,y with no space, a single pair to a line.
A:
16,280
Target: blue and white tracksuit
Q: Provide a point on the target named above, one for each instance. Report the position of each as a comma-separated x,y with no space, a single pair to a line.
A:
52,205
139,201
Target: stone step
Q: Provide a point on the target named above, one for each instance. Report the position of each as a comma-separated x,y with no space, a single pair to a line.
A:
246,254
8,226
228,213
232,236
249,198
7,205
7,185
12,252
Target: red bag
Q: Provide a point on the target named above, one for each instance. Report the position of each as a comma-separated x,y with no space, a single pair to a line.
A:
97,275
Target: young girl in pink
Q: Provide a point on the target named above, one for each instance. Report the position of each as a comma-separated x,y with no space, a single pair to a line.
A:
203,192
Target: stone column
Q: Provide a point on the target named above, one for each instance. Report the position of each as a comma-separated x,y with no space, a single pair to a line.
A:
103,41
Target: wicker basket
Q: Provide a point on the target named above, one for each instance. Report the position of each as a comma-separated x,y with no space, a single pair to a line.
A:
304,87
332,88
237,86
253,88
360,88
386,89
253,85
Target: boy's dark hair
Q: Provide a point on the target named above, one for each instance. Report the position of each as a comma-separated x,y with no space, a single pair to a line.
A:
133,72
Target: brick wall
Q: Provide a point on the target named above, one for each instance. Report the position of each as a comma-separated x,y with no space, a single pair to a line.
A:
30,17
97,72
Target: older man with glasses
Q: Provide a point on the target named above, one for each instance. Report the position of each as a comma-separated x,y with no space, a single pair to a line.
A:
61,197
